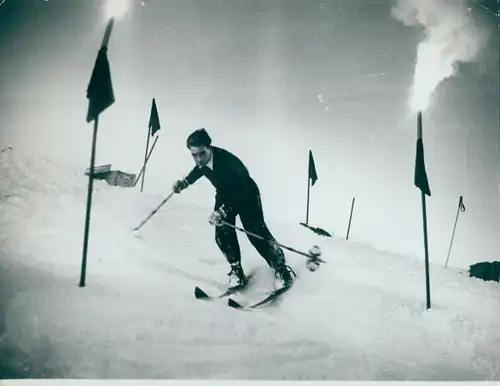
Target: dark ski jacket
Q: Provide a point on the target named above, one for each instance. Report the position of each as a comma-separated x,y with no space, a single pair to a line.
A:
230,178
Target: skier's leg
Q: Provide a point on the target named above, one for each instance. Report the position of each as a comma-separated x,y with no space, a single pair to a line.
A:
227,241
252,219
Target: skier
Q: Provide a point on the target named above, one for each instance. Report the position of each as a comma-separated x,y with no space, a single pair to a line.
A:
236,194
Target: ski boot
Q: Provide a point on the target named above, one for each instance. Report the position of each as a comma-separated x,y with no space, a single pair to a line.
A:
237,277
284,273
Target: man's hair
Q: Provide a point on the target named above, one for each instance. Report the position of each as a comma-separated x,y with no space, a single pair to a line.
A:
198,138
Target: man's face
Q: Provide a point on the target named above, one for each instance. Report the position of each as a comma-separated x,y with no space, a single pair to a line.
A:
201,155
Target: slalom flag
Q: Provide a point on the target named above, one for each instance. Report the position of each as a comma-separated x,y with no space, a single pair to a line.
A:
101,96
422,183
153,127
421,180
154,119
313,176
100,89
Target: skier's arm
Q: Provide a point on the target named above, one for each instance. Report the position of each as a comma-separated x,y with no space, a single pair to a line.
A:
193,176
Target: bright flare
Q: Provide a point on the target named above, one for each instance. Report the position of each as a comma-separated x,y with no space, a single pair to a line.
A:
451,36
116,8
432,67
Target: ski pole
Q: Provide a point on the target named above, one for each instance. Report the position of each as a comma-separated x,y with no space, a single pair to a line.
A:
311,256
153,212
461,208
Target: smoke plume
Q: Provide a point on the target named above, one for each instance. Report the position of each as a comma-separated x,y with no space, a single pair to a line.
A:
450,36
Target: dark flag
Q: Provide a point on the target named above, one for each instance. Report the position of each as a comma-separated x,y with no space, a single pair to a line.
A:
154,119
153,127
421,180
313,176
100,89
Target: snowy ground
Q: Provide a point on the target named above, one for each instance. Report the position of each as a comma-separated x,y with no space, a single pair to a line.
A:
360,317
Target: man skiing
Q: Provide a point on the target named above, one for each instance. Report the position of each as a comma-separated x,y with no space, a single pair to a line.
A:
236,194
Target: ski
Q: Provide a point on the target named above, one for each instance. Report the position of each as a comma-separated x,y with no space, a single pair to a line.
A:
273,296
200,294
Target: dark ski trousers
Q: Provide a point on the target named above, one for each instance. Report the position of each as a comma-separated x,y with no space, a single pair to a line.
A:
252,219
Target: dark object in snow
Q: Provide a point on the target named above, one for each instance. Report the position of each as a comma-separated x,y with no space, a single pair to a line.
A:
488,271
113,177
317,230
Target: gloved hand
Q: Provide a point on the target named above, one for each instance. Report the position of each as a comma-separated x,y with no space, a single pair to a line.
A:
179,186
217,216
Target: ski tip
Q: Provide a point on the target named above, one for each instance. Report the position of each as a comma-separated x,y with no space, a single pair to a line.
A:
199,293
232,303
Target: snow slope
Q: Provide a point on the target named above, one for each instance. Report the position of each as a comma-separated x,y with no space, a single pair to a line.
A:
360,317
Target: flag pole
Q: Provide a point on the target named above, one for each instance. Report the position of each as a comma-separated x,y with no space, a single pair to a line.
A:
145,162
145,158
101,96
350,218
83,271
427,276
308,193
424,216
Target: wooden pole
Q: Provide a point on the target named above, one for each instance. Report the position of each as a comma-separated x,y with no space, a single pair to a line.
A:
83,272
144,166
89,205
350,218
308,194
424,216
145,158
426,246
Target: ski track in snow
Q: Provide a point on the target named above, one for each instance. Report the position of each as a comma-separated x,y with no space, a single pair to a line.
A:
360,317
